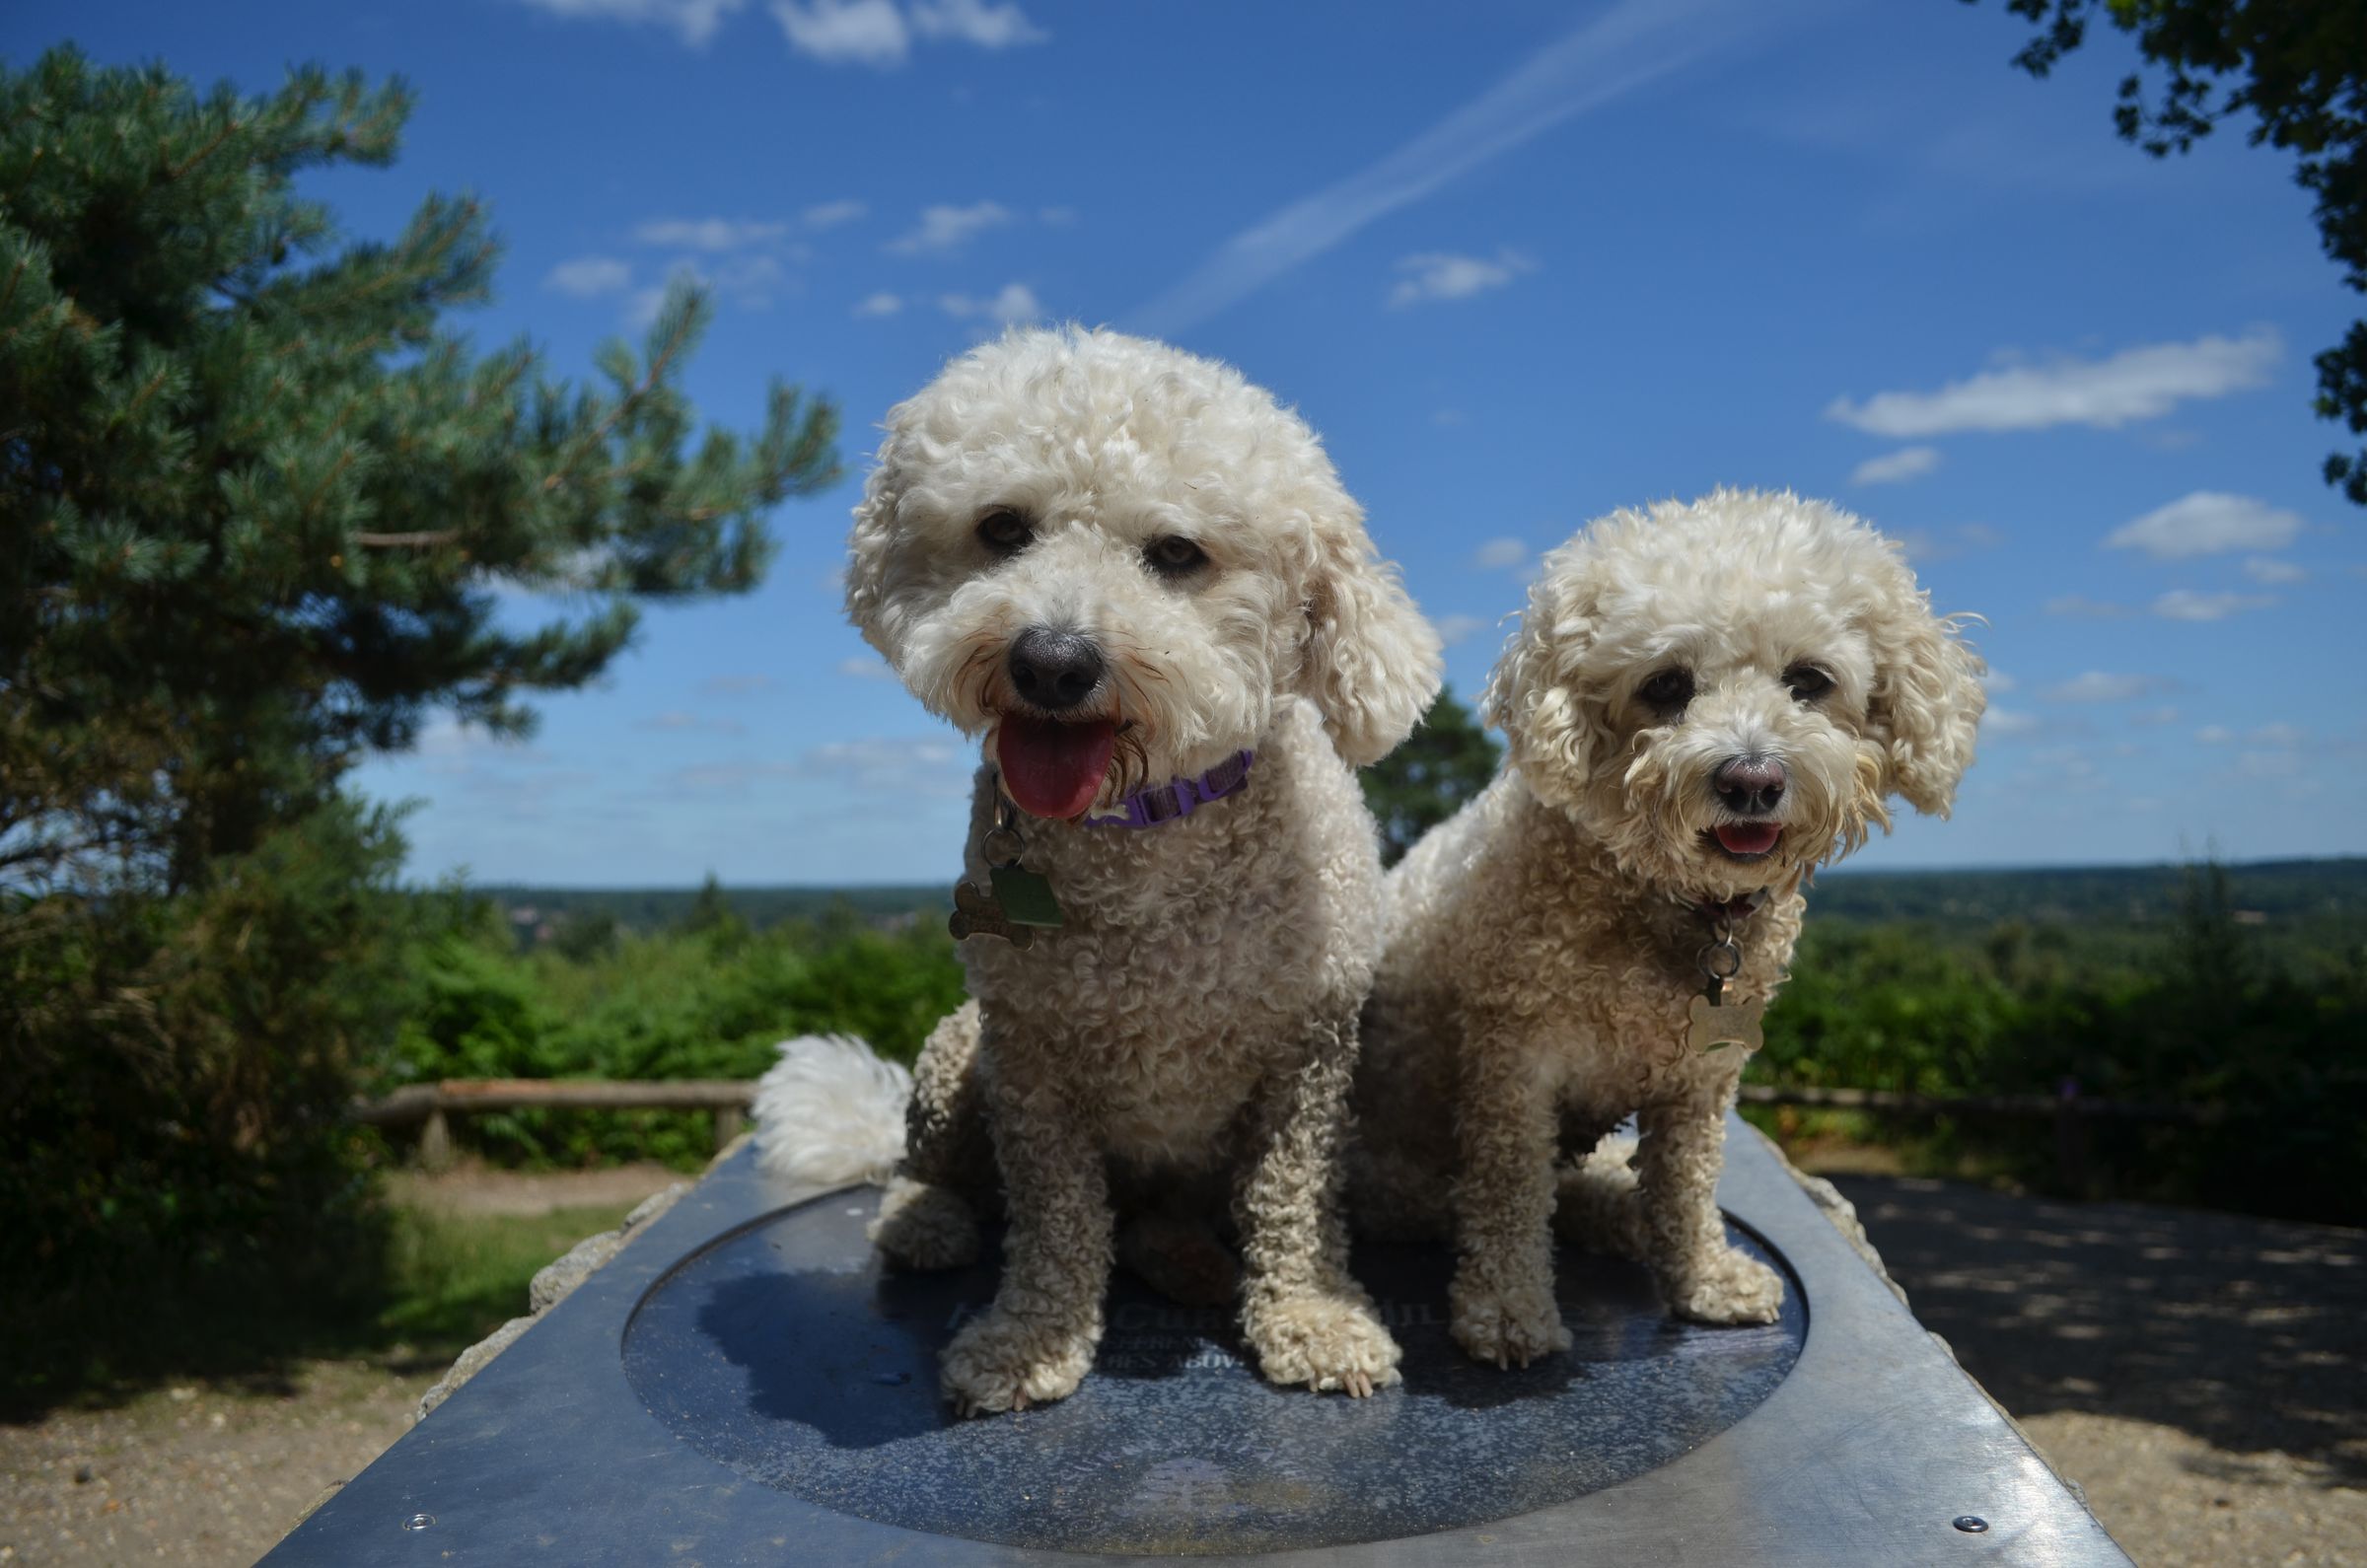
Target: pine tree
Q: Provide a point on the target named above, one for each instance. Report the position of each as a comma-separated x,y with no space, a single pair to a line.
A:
256,498
1448,759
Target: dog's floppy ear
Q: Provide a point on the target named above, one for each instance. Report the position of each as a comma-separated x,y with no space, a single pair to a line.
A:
1371,661
867,547
1924,709
1552,725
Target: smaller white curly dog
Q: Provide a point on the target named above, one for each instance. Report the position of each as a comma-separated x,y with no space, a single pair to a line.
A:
1124,567
1702,702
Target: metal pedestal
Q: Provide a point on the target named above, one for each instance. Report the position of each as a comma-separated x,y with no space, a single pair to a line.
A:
744,1385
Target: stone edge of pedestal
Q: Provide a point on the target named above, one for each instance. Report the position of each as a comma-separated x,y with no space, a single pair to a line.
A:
1841,1214
556,1281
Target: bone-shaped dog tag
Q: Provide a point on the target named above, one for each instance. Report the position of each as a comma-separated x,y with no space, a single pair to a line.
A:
1719,1024
977,914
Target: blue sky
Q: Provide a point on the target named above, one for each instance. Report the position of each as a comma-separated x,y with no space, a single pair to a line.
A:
1521,263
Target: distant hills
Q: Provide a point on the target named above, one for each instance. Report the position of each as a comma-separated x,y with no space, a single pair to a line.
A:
2272,892
2277,892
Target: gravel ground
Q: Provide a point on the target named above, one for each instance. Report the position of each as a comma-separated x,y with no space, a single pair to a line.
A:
2202,1375
194,1477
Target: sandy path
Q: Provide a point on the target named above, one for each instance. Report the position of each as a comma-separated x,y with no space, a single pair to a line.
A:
2202,1375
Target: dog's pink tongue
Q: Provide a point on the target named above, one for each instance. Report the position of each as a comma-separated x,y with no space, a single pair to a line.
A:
1748,839
1053,769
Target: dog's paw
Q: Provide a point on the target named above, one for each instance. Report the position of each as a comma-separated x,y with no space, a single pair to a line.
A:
1727,1288
1323,1342
1510,1328
1002,1362
924,1227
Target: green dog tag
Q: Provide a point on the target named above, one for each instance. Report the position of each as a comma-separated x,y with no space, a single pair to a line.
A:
1026,897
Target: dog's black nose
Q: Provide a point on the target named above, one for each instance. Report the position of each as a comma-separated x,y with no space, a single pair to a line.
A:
1749,785
1054,670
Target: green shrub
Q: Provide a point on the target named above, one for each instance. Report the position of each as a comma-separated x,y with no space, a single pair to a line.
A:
710,1002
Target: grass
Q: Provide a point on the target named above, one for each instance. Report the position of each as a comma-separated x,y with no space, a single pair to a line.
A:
454,1277
443,1279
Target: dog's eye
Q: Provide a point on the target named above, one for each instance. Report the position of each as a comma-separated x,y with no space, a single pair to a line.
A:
1005,531
1807,682
1175,556
1669,691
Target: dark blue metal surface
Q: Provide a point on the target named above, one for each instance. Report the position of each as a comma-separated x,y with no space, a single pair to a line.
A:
784,1352
1865,1452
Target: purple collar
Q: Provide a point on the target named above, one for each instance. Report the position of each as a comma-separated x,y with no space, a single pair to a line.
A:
1175,800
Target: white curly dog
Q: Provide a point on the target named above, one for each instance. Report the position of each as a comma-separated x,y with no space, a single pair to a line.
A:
1137,578
1702,703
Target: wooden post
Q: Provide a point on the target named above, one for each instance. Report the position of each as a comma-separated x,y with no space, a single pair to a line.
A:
435,1141
728,1121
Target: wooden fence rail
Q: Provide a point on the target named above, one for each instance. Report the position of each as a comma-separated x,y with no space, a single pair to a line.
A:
431,1105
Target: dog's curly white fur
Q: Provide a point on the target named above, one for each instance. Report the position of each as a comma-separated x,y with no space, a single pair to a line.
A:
1543,944
1196,1017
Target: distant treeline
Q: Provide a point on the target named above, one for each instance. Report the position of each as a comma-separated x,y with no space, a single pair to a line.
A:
2281,890
537,914
2325,895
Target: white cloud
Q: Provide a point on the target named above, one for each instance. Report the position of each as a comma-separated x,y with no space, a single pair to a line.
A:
989,26
877,33
2098,686
2154,717
944,230
1056,217
1498,555
2206,522
447,746
1453,629
1997,681
708,234
589,276
2185,603
2268,569
2280,734
1907,462
909,765
2079,606
836,32
866,667
878,304
2214,735
1016,302
2268,764
830,214
2004,722
1611,55
695,20
2134,383
676,721
1441,276
1946,544
641,310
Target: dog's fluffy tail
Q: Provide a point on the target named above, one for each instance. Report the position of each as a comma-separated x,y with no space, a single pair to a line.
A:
1598,1206
831,1113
